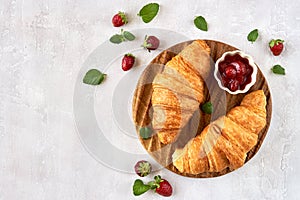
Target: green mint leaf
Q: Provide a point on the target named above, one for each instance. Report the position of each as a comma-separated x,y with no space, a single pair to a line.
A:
129,36
145,132
116,39
94,77
148,12
139,187
207,108
277,69
200,23
253,35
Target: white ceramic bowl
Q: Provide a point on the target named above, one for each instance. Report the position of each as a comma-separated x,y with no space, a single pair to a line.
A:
251,63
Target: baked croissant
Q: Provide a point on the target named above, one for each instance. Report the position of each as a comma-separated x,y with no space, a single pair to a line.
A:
178,90
226,141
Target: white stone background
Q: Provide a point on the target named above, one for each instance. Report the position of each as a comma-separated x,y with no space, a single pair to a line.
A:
43,44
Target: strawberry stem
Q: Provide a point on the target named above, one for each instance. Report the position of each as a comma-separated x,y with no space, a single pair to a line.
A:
156,183
153,185
145,44
278,41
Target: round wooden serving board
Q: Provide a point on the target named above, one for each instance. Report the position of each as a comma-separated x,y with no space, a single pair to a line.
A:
221,100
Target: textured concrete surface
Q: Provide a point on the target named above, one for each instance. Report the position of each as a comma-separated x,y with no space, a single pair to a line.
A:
42,47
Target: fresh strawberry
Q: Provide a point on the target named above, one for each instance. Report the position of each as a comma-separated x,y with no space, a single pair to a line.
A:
142,168
164,189
128,61
119,19
151,42
161,186
276,46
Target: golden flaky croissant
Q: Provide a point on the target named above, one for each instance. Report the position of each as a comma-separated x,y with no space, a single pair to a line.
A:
226,141
178,90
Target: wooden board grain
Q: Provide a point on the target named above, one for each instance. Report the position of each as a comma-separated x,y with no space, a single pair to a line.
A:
221,100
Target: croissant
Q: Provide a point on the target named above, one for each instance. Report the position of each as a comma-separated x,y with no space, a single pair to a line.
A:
179,90
226,141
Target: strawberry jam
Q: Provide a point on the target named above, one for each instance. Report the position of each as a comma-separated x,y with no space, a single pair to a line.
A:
235,72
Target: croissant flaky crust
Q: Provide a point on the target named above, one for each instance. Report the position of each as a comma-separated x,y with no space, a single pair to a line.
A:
179,90
226,141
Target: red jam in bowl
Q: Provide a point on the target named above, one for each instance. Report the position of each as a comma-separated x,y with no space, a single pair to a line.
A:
235,72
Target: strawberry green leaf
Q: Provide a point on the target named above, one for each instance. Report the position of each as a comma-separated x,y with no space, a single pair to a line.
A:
278,41
148,12
200,23
158,179
94,77
272,43
207,108
153,185
123,16
253,35
129,54
139,187
156,183
116,39
277,69
129,36
145,132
